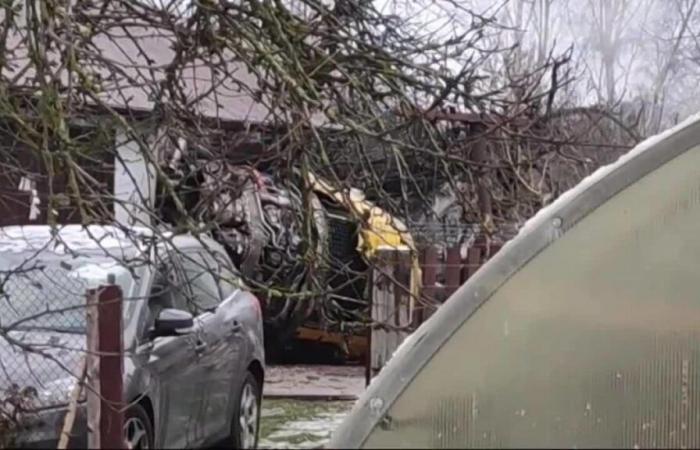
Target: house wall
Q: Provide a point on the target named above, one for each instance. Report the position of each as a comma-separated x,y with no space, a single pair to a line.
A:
134,183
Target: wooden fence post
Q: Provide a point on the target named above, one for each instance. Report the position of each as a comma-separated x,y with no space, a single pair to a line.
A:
429,269
474,260
105,363
453,271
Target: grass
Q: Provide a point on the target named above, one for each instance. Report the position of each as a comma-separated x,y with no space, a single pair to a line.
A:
290,423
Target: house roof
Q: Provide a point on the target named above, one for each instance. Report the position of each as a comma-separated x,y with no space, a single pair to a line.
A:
227,96
132,62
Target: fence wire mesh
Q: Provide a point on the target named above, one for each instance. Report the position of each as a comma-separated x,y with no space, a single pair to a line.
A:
42,346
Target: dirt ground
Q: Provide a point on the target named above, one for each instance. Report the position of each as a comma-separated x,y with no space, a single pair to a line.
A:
290,423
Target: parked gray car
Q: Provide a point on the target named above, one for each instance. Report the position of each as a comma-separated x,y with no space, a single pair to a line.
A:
193,339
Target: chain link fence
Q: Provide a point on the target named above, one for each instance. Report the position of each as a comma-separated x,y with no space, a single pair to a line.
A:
42,348
442,233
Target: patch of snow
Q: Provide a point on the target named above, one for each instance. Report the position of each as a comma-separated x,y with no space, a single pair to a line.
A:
96,274
65,238
315,431
274,412
278,445
304,429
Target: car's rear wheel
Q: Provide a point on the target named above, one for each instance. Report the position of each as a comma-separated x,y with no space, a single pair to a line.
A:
245,426
138,431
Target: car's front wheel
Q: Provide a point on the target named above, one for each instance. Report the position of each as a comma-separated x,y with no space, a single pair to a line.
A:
246,418
138,431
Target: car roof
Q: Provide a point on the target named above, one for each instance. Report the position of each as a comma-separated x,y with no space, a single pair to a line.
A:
94,239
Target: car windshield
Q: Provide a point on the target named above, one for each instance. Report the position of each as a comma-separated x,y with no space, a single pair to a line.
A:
49,293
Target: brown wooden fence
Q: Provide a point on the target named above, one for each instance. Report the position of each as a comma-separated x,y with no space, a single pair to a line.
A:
445,270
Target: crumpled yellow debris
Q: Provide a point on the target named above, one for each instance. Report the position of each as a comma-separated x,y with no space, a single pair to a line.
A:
379,228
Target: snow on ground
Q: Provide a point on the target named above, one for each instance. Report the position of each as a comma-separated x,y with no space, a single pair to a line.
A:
289,423
304,404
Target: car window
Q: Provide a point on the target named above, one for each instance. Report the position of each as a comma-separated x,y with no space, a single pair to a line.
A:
167,291
228,282
204,288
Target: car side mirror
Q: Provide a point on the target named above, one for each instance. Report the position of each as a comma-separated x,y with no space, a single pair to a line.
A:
173,322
